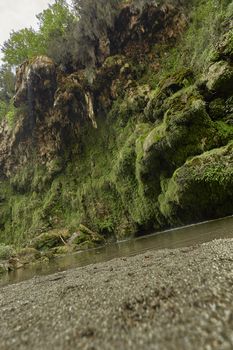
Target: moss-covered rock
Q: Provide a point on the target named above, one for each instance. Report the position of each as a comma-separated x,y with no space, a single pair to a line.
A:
85,237
62,250
220,78
50,240
28,255
201,188
217,109
156,106
225,46
186,130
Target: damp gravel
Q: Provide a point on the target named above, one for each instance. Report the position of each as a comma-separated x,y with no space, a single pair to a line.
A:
168,299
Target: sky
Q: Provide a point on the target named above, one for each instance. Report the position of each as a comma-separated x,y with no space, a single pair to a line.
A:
18,14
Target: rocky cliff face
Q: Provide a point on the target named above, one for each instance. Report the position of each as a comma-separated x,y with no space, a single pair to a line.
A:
133,150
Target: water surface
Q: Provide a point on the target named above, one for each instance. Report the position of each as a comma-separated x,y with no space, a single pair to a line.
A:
176,238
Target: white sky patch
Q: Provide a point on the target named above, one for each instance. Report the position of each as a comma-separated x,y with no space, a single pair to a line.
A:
18,14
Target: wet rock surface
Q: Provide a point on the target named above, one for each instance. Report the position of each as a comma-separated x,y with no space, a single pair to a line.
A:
170,299
36,78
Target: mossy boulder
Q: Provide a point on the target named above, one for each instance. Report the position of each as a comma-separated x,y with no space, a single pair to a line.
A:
156,106
28,255
85,238
220,78
221,109
225,46
217,109
50,240
229,111
62,250
201,188
132,105
78,238
185,131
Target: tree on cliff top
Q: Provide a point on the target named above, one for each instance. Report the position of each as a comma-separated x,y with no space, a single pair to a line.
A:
21,45
27,43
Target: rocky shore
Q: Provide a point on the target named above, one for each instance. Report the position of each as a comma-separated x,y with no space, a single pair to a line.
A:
168,299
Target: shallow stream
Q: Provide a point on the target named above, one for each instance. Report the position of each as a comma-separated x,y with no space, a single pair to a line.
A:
175,238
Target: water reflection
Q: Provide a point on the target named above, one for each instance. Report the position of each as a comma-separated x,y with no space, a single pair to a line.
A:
177,238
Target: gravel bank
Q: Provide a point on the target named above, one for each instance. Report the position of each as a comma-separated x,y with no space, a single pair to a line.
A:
170,299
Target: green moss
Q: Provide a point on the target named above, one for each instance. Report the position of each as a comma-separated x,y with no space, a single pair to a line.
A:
226,48
5,210
3,110
196,48
225,132
186,128
126,180
220,78
6,252
82,237
167,87
138,171
8,111
11,114
62,250
132,105
28,255
201,188
113,182
49,240
217,109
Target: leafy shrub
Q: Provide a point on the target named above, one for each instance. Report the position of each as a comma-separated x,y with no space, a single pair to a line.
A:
6,252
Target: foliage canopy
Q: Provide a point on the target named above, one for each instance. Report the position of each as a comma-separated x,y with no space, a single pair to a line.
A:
27,43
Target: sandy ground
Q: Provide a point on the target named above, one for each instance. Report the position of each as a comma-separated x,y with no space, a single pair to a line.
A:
170,299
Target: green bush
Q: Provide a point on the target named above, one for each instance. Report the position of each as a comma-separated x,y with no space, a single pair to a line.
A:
6,252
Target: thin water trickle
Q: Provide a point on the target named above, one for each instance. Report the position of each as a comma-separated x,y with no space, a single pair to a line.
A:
176,238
